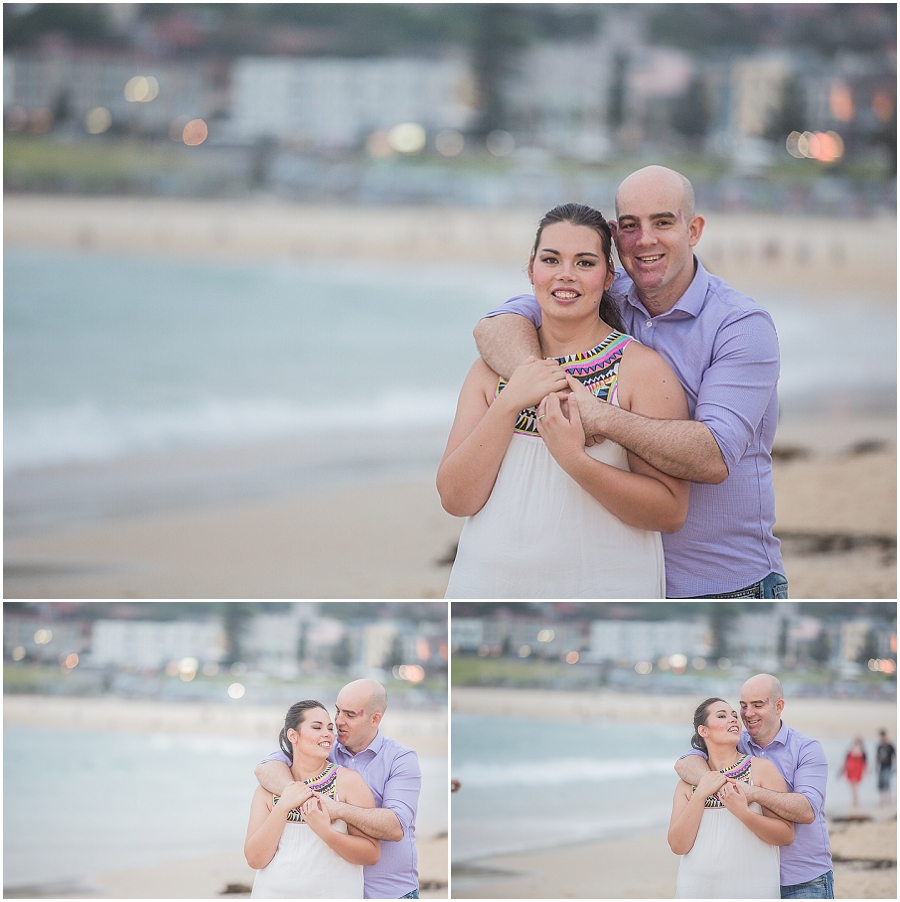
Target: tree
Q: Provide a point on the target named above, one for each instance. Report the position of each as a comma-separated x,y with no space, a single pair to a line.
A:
235,615
721,617
691,113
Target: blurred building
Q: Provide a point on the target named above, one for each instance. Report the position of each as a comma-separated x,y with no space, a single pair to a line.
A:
152,644
629,641
144,97
338,103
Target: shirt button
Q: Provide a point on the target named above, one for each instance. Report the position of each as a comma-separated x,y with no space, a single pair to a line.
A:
649,323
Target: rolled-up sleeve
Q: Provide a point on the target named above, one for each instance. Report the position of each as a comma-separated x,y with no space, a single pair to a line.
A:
811,774
737,387
524,305
401,790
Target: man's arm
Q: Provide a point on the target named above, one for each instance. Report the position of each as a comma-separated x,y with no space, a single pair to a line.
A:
505,341
379,823
273,776
792,806
684,449
692,766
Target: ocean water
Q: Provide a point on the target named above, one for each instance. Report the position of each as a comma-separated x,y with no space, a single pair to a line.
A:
109,355
78,803
543,782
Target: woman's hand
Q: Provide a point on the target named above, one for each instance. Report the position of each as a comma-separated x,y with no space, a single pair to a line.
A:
532,381
316,816
710,784
559,424
732,796
295,794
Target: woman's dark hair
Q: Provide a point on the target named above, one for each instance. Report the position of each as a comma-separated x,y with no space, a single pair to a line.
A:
583,215
701,715
292,720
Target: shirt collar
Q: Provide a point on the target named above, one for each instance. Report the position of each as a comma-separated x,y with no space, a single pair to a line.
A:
691,302
374,747
781,738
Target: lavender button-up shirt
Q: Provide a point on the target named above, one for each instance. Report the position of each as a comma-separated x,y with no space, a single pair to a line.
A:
392,772
804,767
724,350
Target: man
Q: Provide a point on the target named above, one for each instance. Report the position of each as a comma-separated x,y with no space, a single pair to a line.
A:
806,863
392,773
724,350
884,758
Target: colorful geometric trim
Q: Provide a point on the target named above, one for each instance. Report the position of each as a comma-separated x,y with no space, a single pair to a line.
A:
739,771
325,783
597,369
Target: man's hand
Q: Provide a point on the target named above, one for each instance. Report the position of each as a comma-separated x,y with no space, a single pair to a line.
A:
748,789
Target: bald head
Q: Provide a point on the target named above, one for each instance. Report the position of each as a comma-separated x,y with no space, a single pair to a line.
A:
368,695
764,685
657,181
762,701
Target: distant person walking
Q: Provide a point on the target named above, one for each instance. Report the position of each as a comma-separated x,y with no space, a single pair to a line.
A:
855,768
885,756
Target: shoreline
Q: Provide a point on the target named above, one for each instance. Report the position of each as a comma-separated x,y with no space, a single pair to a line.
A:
814,716
761,250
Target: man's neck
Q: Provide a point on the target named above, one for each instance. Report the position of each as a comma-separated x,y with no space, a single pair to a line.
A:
762,743
363,747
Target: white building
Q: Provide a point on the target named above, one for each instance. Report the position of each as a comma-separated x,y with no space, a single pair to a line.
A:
647,640
332,103
154,643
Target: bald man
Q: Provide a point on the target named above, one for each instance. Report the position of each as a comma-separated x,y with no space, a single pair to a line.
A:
806,871
392,773
724,350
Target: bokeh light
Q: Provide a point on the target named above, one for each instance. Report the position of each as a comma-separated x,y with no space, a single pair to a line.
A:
524,651
97,120
236,690
43,637
546,636
643,667
826,147
18,653
194,133
449,142
141,89
572,657
408,137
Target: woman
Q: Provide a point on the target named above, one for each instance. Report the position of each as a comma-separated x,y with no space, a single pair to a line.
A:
547,516
729,848
291,842
855,768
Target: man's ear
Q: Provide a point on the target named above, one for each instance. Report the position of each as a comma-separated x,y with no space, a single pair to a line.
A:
695,229
376,718
613,227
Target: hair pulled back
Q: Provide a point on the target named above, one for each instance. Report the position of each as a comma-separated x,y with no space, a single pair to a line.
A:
292,720
701,715
583,215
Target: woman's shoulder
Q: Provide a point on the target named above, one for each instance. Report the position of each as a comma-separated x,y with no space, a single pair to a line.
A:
761,769
346,776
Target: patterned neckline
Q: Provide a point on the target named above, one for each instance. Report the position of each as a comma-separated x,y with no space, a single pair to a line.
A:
739,771
325,784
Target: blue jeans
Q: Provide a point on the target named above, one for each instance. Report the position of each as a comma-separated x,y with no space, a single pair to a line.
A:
773,586
413,895
820,888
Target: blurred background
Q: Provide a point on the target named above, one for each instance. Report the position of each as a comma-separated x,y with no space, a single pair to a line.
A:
568,718
144,722
245,246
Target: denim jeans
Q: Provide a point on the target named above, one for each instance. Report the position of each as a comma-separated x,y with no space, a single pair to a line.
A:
413,895
773,586
820,888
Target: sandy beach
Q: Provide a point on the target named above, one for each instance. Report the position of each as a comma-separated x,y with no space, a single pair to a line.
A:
224,873
864,846
387,536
